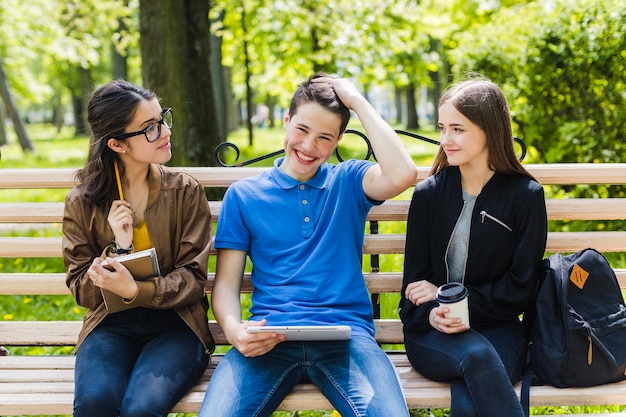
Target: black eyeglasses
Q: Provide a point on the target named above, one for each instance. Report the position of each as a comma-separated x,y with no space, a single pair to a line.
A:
153,131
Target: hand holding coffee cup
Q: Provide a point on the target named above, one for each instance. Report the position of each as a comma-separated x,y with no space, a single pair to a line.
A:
454,296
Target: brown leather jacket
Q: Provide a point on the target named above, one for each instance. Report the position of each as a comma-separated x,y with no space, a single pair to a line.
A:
179,224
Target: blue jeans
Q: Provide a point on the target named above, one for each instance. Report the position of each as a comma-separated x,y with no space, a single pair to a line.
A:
481,365
138,362
356,376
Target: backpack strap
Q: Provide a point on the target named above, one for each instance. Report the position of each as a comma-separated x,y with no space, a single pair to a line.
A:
529,378
525,394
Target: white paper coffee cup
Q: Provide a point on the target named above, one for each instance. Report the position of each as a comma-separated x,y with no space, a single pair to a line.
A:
454,296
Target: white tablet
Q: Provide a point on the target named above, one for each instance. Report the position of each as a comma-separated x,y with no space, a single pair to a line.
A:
306,333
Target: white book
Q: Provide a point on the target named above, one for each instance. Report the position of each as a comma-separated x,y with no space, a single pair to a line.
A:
338,332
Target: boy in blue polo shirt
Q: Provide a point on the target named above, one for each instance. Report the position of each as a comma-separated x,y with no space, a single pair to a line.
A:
302,224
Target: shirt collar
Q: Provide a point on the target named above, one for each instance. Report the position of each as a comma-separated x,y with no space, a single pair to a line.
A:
286,182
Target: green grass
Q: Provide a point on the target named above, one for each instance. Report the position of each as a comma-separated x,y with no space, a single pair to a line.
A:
60,149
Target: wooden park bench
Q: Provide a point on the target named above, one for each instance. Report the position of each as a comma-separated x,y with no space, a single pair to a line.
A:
43,385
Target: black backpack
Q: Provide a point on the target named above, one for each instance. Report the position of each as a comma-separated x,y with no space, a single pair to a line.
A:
578,327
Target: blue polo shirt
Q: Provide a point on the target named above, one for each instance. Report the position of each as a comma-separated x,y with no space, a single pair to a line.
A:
305,242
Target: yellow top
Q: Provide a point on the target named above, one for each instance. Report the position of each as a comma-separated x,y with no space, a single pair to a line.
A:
141,238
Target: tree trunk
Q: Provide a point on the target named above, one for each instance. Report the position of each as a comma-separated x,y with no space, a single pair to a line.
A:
412,121
233,115
249,103
80,98
221,89
398,102
58,112
13,113
177,67
3,131
435,92
119,63
270,102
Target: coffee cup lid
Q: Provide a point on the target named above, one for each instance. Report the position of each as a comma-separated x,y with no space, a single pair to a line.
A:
451,292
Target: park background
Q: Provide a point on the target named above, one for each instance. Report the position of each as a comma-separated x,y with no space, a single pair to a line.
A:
224,64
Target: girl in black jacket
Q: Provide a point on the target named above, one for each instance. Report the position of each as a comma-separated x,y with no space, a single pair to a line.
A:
480,220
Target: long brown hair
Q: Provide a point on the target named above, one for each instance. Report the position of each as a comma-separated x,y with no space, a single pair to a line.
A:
111,108
484,104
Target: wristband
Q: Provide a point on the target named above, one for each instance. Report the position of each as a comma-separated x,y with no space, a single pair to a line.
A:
115,249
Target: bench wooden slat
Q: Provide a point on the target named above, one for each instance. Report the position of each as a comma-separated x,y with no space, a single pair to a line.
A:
28,384
575,173
308,397
52,212
557,242
568,173
30,247
586,209
54,283
43,178
35,212
575,241
615,241
392,210
65,333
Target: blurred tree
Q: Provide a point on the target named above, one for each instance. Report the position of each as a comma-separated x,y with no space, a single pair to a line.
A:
3,132
175,50
88,30
18,124
119,62
12,16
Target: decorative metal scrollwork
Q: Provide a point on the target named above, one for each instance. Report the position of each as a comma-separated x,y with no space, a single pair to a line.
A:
224,145
370,152
435,142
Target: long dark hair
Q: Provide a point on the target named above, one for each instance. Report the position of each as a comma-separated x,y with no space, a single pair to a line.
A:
484,103
322,94
111,108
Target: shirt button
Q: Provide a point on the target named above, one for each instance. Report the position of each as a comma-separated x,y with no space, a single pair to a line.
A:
306,219
302,187
305,202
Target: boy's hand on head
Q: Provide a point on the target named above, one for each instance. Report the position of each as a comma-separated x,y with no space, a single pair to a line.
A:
344,88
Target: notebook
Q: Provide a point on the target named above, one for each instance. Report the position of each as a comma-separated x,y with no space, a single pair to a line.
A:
306,333
142,265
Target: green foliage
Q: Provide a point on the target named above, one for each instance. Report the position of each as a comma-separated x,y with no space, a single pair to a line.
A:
563,68
46,41
54,149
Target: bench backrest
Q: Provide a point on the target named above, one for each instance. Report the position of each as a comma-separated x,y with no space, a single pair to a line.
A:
378,242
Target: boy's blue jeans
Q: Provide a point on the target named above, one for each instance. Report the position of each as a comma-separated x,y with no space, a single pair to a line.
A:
480,364
138,362
356,376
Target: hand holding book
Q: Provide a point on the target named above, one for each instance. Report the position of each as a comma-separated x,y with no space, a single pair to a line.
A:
142,265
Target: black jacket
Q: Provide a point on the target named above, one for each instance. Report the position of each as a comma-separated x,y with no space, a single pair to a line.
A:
507,243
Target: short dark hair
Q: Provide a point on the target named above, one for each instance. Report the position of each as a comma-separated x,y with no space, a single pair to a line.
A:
322,94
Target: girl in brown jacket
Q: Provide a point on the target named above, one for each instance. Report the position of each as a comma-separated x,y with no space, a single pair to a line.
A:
143,359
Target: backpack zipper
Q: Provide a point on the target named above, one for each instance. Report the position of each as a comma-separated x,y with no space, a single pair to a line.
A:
500,222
